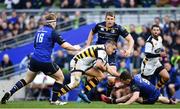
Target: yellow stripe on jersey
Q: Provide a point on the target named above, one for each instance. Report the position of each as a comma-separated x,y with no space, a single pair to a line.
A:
83,55
87,53
78,57
92,52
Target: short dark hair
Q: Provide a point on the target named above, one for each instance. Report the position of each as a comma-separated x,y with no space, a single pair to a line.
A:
155,26
110,13
125,75
111,42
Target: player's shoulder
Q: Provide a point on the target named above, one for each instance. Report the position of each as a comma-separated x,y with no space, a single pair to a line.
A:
101,24
150,38
120,27
98,46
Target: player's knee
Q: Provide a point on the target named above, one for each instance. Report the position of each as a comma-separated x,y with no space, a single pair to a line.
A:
60,79
171,86
101,77
74,83
166,78
165,75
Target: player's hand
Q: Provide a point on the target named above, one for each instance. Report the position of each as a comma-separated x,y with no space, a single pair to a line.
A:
163,54
125,53
77,47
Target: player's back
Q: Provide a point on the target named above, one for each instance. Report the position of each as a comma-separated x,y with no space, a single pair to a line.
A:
43,44
146,88
89,52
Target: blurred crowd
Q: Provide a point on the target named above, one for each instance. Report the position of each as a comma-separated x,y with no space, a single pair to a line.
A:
37,4
22,23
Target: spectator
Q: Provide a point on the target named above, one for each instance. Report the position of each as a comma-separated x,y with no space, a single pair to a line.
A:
28,5
174,84
122,66
175,3
6,62
166,24
106,3
136,62
145,32
60,59
172,30
8,4
146,3
14,18
133,33
93,3
79,20
48,3
162,2
66,3
22,24
157,21
131,3
78,4
67,23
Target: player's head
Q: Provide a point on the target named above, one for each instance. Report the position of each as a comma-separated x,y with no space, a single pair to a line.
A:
51,19
110,19
125,77
155,30
110,47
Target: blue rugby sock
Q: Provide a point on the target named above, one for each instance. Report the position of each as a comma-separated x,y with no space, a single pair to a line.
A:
18,86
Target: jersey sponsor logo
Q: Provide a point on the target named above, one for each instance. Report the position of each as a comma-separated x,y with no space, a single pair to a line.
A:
157,50
102,29
112,31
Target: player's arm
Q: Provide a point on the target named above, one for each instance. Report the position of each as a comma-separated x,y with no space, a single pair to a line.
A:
135,94
100,64
101,61
90,38
124,33
91,35
70,47
57,38
134,98
130,41
112,71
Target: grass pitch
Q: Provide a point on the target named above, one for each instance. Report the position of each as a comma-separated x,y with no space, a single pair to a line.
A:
77,105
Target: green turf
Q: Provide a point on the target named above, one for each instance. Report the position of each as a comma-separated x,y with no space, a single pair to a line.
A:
45,104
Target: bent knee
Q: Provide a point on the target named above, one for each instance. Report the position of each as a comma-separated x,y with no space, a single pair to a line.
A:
74,84
171,86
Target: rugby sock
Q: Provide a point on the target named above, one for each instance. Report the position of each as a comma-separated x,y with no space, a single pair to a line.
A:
91,84
56,88
64,90
18,86
161,83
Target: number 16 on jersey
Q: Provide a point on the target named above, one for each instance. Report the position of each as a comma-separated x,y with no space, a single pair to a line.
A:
39,38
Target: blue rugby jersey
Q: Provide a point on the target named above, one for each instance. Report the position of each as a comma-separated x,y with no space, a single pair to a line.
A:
112,33
44,41
142,85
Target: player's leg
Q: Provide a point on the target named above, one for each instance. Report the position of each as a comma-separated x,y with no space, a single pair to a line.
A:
30,75
74,82
165,100
164,77
97,76
171,88
58,84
